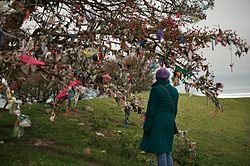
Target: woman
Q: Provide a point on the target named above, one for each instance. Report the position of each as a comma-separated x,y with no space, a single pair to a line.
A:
160,119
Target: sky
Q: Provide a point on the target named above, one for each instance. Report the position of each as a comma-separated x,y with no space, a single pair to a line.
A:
233,15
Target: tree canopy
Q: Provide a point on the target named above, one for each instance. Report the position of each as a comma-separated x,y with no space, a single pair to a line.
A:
118,40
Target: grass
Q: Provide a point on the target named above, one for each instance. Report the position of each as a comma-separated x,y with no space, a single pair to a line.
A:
222,140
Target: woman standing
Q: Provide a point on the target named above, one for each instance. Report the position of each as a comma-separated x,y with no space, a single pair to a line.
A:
160,119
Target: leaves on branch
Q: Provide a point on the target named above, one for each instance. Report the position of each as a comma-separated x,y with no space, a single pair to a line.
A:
121,39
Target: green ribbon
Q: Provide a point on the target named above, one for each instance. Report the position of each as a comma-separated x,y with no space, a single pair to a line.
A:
183,71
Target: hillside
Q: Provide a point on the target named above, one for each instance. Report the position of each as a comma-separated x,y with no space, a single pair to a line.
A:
98,137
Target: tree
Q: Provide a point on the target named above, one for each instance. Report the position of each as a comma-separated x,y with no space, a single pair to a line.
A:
77,38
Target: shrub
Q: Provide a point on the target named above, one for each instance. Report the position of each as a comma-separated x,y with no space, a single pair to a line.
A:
185,151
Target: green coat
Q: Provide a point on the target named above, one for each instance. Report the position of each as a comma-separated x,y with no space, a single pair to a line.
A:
160,117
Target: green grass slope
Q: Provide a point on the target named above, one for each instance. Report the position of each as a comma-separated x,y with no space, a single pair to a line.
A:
90,137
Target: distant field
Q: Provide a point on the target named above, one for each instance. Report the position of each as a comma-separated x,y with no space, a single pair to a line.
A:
222,140
91,137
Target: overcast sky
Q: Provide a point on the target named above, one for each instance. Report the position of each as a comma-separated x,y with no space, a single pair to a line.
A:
234,15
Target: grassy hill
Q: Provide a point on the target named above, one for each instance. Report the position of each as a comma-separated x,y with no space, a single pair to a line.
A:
98,137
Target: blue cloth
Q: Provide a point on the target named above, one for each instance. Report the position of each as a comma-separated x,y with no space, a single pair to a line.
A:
165,159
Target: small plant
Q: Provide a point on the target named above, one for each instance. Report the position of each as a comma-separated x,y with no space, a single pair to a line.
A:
185,151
